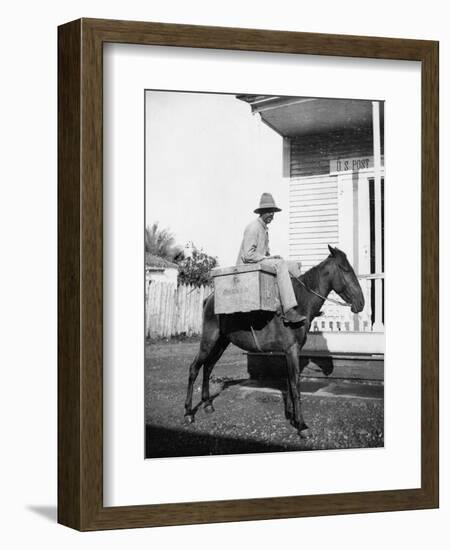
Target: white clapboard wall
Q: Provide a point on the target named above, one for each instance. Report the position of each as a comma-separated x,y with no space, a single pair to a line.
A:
313,218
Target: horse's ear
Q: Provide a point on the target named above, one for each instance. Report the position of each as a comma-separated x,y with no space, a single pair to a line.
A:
332,250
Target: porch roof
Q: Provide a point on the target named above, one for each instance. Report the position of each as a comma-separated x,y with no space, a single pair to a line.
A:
301,116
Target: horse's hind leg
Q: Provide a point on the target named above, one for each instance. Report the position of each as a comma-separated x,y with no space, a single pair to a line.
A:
208,366
207,349
193,373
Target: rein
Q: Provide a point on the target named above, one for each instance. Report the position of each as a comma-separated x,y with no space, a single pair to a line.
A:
337,302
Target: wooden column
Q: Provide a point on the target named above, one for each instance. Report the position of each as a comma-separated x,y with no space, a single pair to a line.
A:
378,324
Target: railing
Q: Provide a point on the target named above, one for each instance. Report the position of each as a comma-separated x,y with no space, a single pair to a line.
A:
340,319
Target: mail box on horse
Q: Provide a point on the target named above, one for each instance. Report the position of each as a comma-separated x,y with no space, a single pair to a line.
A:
244,288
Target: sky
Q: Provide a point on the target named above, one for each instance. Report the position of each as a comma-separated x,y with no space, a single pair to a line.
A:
208,160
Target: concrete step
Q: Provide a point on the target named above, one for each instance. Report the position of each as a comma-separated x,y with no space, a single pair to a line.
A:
345,366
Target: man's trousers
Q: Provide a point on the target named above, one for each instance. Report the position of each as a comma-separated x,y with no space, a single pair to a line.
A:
284,269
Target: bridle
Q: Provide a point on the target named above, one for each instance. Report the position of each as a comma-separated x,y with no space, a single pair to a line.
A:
337,302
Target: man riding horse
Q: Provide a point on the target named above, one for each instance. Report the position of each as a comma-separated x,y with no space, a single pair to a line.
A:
266,330
255,249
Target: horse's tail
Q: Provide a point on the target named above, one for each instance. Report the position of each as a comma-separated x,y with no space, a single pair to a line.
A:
205,299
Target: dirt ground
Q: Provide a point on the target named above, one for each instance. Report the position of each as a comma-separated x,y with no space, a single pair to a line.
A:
249,416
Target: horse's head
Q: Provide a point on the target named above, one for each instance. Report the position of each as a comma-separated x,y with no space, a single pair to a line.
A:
343,279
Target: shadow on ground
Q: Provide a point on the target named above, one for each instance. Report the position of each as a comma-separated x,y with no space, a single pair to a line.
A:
162,442
250,415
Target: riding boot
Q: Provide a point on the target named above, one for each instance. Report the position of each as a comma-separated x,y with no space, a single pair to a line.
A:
292,316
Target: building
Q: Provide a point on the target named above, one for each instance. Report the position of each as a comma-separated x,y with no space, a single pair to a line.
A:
160,269
333,158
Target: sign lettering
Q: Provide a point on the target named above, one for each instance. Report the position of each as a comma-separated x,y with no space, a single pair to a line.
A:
235,291
351,164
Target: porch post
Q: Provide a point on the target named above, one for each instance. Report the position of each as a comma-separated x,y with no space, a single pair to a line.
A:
378,324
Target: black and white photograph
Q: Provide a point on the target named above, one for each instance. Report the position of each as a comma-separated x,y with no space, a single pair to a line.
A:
264,273
225,329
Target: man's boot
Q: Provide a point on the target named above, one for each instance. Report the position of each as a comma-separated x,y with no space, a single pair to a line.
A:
293,317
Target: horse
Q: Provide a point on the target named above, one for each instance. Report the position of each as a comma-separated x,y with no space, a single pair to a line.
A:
267,331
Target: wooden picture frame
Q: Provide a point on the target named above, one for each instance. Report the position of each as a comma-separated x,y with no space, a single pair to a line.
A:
80,272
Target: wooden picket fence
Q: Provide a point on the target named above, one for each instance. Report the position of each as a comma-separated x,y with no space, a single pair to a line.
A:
172,310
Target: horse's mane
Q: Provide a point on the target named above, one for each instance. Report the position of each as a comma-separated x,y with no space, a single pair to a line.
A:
311,277
311,281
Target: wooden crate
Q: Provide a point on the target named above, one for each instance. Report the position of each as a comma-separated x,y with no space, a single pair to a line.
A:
243,288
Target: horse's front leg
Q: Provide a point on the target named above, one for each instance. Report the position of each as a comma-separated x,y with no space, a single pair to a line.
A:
289,407
293,376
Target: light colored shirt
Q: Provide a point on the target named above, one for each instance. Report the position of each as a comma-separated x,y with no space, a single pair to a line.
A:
255,244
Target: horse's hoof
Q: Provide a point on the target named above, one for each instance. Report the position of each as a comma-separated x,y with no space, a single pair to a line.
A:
209,409
305,433
189,419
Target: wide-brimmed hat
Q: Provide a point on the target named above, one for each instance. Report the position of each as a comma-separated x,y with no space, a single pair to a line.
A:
267,204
